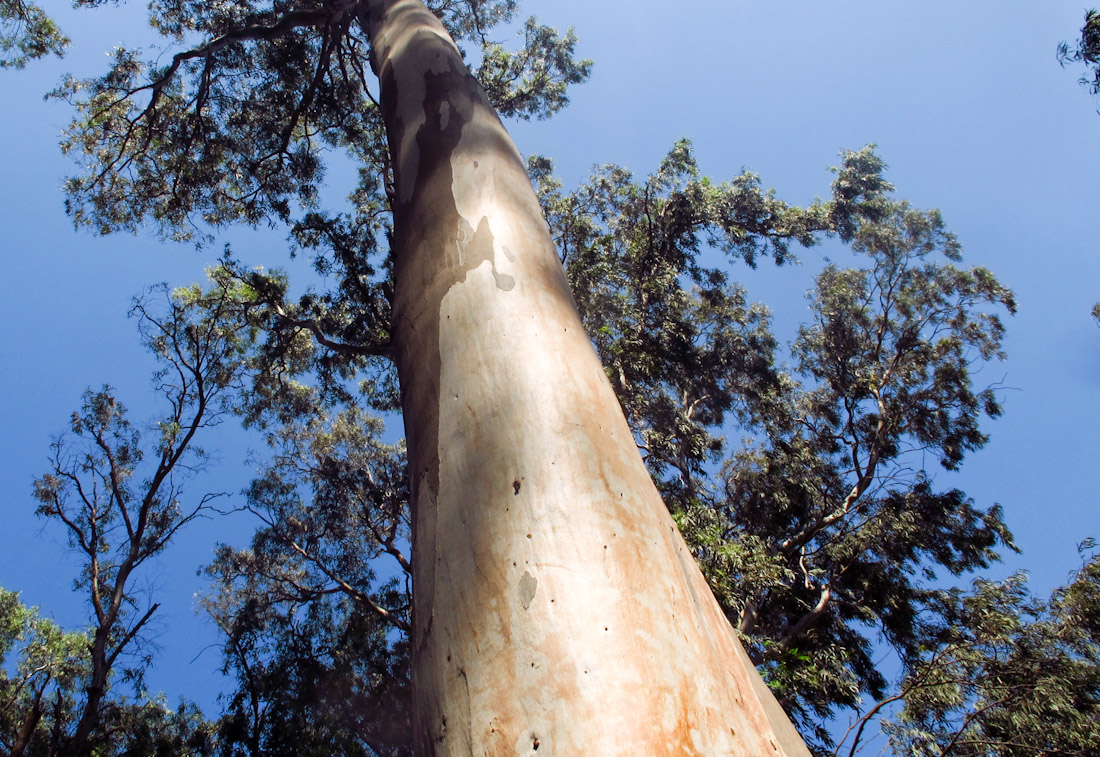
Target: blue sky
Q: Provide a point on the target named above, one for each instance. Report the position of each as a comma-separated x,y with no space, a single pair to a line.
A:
966,102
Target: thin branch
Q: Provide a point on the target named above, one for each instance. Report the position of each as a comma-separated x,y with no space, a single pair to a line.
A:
352,591
382,350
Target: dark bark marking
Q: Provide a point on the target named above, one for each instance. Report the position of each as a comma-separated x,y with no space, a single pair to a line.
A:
428,227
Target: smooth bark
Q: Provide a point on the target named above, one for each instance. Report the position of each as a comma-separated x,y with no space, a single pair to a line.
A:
556,607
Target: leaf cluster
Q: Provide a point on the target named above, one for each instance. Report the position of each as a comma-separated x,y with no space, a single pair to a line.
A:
1006,673
1086,51
316,625
38,691
236,127
27,33
40,701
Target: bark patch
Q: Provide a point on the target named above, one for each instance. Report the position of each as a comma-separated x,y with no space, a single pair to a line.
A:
527,586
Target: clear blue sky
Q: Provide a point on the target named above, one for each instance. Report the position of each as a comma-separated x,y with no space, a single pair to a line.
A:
965,100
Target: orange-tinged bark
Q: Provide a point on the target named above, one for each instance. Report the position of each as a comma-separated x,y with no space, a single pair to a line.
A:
556,607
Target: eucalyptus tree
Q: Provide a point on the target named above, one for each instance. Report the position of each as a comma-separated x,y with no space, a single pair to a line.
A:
690,359
550,583
120,502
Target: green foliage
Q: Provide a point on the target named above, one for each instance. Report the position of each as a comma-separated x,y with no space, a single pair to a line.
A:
315,677
38,691
533,81
147,726
27,33
314,625
237,128
835,489
1005,673
41,697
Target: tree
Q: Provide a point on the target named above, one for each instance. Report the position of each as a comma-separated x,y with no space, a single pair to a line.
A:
39,704
116,521
690,359
532,511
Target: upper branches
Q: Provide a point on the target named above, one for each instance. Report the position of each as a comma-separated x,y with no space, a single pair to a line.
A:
239,124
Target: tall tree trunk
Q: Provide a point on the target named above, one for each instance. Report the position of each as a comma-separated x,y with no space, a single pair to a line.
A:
556,607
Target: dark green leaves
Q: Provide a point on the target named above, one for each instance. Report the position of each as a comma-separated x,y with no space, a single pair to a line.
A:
1005,673
316,611
533,81
1087,51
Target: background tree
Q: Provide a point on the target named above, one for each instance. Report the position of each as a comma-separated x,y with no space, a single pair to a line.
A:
1002,672
115,518
37,692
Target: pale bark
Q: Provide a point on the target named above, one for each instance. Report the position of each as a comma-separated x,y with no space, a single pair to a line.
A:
556,607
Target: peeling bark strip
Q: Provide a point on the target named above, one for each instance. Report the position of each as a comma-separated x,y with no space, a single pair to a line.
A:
565,615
